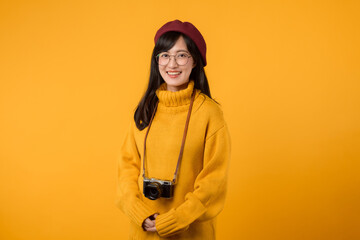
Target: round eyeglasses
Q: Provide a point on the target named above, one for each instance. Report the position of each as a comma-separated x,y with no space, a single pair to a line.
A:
180,58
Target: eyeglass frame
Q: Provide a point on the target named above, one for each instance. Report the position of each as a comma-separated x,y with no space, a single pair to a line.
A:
157,59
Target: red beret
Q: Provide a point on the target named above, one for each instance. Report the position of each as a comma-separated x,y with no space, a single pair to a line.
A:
189,30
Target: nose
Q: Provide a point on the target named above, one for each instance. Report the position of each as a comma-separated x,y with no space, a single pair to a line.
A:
172,62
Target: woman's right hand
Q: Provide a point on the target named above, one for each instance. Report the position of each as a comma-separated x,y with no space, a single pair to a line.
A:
149,225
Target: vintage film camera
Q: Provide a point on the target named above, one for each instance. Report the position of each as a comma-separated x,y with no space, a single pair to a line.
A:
155,188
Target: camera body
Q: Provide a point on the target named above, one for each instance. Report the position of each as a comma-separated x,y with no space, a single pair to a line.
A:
156,188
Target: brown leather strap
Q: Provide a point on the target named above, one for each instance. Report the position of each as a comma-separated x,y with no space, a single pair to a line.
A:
184,136
146,134
183,139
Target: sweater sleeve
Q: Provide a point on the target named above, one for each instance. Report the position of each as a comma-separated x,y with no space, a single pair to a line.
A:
128,193
207,199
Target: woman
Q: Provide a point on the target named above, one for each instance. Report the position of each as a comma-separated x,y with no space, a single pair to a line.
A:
174,159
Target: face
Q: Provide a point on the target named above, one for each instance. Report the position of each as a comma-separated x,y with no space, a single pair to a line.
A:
176,76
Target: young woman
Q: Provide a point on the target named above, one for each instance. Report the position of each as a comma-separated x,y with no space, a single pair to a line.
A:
174,159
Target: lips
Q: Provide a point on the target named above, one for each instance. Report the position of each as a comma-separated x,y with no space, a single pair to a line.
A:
173,73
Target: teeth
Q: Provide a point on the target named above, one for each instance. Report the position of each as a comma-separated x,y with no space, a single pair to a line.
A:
174,73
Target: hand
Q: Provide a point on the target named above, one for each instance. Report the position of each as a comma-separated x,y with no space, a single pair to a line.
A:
149,225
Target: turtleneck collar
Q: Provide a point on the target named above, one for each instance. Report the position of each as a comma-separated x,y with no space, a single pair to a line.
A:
175,99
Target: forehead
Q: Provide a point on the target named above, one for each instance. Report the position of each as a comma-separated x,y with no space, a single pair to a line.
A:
180,45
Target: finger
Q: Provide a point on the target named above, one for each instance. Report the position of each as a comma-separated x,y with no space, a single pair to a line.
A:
152,229
149,223
155,215
149,228
146,224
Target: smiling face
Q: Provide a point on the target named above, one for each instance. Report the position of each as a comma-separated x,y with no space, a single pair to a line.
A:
176,76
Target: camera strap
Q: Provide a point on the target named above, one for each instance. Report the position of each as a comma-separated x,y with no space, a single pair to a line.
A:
183,139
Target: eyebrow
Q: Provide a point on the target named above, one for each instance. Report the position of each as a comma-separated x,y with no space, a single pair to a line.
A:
181,51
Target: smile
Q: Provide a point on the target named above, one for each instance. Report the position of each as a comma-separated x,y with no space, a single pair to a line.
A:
172,73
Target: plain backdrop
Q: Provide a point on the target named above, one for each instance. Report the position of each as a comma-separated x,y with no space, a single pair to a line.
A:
285,72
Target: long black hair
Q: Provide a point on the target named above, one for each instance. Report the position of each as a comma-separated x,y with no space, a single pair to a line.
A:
147,103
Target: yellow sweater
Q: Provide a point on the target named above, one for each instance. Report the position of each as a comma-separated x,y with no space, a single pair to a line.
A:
201,185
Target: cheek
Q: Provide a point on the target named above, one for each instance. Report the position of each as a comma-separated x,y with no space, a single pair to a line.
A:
161,70
188,71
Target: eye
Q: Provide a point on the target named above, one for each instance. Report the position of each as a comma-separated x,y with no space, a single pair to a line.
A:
164,55
182,55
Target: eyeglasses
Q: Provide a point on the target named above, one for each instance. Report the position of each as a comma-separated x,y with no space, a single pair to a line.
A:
180,58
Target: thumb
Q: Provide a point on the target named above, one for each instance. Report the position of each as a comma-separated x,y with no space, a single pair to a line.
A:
155,215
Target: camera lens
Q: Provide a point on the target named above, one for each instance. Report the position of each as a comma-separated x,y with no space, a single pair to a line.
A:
154,190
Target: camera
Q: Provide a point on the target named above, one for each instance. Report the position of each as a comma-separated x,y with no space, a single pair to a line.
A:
155,188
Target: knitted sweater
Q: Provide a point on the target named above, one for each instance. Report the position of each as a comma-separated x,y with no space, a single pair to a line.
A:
201,184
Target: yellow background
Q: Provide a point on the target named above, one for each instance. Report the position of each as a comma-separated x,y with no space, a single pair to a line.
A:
287,74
